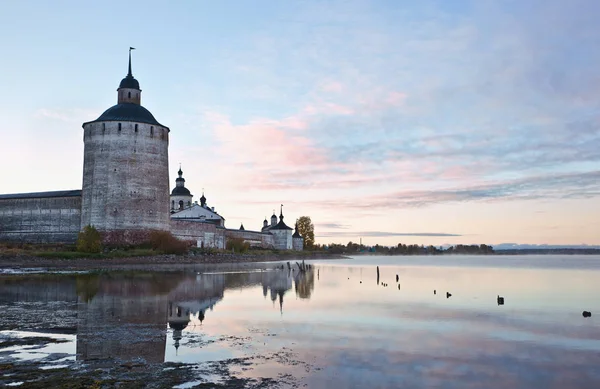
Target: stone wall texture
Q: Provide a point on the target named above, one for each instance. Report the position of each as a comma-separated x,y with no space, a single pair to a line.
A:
255,238
125,176
282,239
40,219
203,234
298,244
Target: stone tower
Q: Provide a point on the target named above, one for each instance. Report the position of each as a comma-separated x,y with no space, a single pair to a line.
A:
126,166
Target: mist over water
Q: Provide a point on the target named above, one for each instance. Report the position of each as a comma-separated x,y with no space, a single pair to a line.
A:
334,325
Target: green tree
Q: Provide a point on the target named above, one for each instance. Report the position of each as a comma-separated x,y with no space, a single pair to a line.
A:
89,240
307,230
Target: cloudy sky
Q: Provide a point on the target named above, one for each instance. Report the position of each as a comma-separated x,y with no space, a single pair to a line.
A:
425,122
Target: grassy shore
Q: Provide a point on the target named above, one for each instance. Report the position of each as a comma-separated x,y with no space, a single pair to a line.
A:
62,256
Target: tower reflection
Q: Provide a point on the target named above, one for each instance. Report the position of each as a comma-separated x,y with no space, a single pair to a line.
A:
126,316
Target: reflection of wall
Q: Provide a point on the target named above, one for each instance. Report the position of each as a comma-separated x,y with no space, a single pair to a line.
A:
122,326
127,316
38,297
46,288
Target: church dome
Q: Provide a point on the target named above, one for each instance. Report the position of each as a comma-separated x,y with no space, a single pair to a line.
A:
127,112
180,191
129,82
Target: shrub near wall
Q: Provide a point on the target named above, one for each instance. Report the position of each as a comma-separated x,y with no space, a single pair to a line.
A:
89,240
166,243
238,245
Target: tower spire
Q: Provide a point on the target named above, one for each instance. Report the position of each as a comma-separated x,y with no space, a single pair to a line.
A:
129,89
129,74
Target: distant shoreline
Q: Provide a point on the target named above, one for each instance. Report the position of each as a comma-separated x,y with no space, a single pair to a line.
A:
565,251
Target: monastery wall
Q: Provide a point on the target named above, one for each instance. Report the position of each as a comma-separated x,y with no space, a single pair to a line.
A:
298,244
40,219
282,239
204,234
253,237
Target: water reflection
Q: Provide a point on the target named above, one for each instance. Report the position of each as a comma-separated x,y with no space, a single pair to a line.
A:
126,315
362,334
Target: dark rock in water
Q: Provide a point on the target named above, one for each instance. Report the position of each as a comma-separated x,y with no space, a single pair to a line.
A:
434,291
587,314
448,295
398,286
361,282
500,300
397,278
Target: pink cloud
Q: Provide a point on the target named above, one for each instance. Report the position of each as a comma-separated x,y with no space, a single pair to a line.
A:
266,144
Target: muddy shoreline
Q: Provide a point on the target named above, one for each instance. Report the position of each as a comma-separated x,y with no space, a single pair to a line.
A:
157,262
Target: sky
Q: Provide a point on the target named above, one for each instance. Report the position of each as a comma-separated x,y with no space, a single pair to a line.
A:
429,122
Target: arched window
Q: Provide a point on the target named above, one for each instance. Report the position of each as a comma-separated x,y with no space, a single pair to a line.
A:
103,127
128,94
136,128
189,204
119,126
173,204
180,204
151,130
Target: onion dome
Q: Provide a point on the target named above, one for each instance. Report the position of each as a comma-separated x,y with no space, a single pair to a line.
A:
180,189
296,233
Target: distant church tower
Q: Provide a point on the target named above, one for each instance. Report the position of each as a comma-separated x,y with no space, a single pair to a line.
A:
126,166
181,197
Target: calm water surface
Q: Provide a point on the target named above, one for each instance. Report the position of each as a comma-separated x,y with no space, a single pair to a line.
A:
334,326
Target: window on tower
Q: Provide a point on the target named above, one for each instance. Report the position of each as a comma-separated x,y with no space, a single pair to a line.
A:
119,126
129,94
136,128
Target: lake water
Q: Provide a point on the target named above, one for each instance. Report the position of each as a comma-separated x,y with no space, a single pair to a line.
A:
334,325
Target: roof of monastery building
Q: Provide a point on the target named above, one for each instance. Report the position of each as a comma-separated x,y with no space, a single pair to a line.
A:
36,195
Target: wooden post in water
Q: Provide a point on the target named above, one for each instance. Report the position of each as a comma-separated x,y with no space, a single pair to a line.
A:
377,275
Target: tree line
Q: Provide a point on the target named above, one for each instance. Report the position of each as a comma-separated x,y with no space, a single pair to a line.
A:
403,249
307,230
